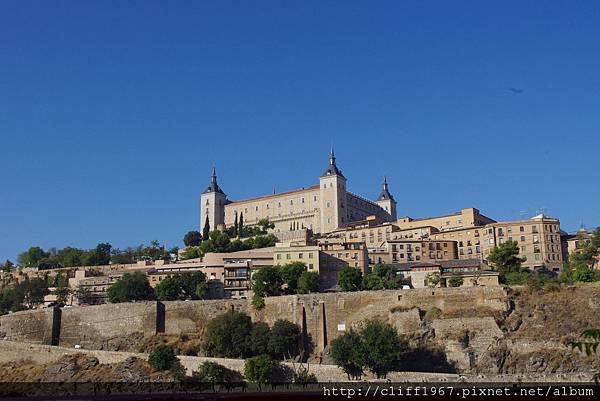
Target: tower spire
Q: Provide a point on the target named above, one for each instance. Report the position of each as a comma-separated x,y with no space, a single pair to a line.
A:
332,168
213,186
385,193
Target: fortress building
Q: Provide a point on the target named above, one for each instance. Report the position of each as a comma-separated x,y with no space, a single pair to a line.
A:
322,208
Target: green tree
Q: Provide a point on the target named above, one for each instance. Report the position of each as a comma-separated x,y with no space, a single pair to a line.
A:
31,292
241,225
235,225
383,347
259,369
206,229
10,300
308,282
373,282
261,241
191,252
62,295
258,341
192,238
163,358
347,352
131,287
505,259
226,335
169,289
103,251
182,286
212,373
237,245
350,279
284,341
266,282
31,257
217,241
69,257
195,285
84,295
456,280
264,225
290,273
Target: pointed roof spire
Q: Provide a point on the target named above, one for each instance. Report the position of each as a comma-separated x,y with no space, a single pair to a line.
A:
385,193
332,168
213,186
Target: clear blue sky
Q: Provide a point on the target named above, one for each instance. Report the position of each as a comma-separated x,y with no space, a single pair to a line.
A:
112,113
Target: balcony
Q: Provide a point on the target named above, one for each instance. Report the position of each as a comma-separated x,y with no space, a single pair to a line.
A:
234,276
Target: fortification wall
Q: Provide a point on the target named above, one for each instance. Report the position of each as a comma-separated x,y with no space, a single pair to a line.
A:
192,316
107,326
28,326
321,316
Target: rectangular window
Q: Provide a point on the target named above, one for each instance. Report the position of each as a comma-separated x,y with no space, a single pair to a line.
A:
300,255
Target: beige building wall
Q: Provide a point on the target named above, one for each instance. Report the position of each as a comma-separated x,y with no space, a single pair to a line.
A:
403,251
466,218
300,207
538,239
468,241
360,208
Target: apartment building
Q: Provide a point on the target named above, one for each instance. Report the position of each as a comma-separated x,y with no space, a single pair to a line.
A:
326,258
538,239
409,250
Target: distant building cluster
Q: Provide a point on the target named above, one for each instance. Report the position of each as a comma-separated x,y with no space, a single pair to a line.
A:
328,228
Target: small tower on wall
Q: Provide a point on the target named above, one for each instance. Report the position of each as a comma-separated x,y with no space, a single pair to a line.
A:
332,197
212,204
386,200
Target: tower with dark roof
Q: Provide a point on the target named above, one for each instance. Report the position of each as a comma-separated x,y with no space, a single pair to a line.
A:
386,201
212,204
332,194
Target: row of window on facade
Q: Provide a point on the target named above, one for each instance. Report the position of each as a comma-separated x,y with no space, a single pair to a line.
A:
300,255
461,251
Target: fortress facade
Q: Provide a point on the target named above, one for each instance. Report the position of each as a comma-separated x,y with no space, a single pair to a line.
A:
322,208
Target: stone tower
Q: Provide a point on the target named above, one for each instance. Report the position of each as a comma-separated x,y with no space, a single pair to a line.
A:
212,204
332,197
386,200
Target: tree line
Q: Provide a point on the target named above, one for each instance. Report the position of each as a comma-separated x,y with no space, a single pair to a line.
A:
102,254
235,238
288,279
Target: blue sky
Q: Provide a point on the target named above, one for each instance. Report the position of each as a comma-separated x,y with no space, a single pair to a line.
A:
112,113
